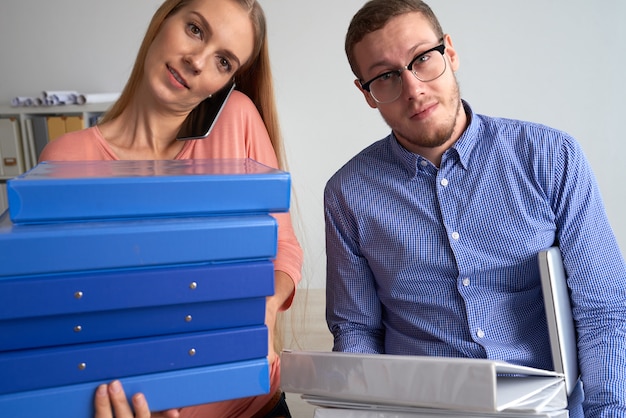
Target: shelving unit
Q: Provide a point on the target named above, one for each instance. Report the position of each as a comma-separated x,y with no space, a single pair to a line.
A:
18,152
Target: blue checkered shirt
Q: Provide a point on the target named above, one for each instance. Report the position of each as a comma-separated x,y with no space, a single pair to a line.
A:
443,261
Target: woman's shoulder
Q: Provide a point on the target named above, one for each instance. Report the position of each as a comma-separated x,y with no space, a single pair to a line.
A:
239,115
84,144
240,99
241,105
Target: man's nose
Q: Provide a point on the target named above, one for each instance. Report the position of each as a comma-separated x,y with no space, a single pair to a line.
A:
410,83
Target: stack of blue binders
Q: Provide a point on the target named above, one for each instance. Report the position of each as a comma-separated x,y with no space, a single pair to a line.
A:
151,272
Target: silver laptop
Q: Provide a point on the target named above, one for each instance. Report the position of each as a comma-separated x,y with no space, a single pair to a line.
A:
559,315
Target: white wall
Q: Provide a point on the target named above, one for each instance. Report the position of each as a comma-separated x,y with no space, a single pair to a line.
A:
558,62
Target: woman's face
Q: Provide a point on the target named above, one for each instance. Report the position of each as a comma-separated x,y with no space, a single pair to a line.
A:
197,52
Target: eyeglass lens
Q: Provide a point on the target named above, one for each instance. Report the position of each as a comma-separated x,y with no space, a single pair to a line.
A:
425,67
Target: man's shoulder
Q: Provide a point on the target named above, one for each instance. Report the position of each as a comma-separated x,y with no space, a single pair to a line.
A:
366,163
368,156
507,124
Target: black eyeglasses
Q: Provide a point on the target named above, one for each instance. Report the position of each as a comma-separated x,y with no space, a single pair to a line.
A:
427,66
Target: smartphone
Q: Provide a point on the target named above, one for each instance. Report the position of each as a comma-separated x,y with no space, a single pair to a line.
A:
201,120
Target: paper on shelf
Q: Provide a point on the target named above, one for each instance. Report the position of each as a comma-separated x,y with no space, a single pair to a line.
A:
59,97
96,98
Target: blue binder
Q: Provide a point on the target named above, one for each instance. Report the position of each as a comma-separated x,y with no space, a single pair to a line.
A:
83,246
81,292
39,332
81,190
67,365
163,391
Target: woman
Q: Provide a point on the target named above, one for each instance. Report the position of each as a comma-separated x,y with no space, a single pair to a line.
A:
192,49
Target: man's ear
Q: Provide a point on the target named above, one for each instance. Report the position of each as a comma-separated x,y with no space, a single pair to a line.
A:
368,97
451,52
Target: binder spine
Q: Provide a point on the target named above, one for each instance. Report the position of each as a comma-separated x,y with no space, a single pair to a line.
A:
49,295
63,330
164,390
60,366
89,246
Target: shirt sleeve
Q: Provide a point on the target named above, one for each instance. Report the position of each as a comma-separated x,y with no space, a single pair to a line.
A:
597,280
353,310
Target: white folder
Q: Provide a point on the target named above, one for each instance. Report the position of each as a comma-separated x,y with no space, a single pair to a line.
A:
462,384
335,412
559,316
354,385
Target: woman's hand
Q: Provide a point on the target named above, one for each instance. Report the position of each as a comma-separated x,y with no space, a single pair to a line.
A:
110,401
283,290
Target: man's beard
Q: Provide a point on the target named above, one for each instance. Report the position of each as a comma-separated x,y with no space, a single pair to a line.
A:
441,133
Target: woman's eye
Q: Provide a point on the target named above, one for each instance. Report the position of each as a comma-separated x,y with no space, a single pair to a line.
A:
194,30
226,65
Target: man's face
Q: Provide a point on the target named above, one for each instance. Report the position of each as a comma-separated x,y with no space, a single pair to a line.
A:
427,117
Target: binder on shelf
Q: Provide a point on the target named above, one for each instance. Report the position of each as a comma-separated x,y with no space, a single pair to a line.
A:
39,332
165,390
67,365
11,156
3,196
461,384
82,292
99,245
73,123
40,133
28,142
56,127
86,190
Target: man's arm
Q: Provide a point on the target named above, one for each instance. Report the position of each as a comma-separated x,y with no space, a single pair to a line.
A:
353,310
597,280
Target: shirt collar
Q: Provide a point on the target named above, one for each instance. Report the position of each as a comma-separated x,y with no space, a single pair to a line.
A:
465,145
461,150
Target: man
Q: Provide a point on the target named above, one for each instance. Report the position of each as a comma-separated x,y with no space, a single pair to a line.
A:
433,232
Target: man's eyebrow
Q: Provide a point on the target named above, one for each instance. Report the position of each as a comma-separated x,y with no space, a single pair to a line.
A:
421,45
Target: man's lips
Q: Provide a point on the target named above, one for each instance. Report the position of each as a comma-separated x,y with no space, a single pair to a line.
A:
178,77
423,112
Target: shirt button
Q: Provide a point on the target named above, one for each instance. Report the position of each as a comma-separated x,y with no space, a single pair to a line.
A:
480,333
424,163
455,236
466,281
444,182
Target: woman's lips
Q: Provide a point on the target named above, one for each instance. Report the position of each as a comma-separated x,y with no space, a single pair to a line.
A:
178,77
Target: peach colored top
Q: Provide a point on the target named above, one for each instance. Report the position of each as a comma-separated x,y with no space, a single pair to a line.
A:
238,133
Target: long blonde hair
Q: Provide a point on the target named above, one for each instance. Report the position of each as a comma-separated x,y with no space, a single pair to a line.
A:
254,78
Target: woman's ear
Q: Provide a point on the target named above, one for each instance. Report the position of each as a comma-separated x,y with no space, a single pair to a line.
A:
368,97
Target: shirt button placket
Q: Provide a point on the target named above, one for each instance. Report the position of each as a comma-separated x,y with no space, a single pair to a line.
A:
444,182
